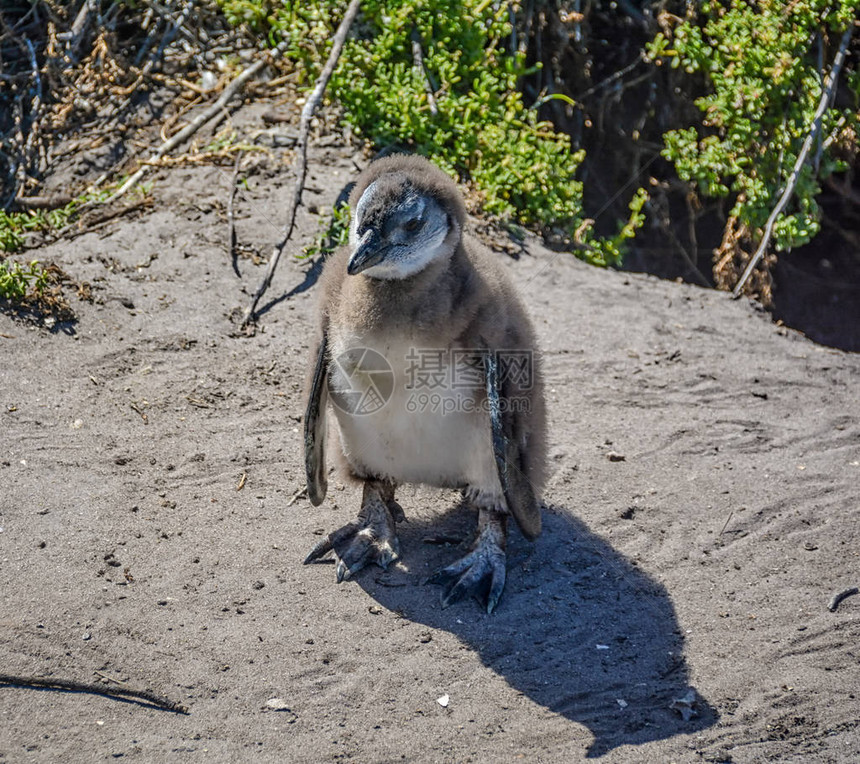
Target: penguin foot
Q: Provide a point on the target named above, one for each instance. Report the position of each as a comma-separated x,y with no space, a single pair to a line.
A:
372,538
482,571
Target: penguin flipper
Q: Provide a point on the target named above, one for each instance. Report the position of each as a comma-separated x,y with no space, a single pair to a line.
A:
315,425
505,419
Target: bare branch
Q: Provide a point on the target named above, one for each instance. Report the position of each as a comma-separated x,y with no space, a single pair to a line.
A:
96,689
418,62
202,118
302,155
74,37
231,214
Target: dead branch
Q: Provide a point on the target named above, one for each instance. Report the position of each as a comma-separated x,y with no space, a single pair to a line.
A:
302,156
74,37
43,202
839,596
96,689
167,38
171,32
99,219
613,77
231,217
801,161
204,116
29,142
844,190
147,44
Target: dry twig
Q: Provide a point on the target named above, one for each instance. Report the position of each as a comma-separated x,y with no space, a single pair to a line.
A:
156,57
28,143
837,598
74,37
418,63
231,216
96,689
204,116
303,491
43,202
302,157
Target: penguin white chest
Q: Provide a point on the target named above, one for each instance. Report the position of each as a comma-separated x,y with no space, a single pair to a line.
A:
414,414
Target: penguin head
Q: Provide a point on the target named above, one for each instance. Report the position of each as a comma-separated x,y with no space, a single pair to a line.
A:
401,225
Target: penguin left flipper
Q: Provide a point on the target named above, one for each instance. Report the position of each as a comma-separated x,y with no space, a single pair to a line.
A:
315,426
504,412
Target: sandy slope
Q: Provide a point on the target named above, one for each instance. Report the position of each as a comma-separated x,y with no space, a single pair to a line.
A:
704,559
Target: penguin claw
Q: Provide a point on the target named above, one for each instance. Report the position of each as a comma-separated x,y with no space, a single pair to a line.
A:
371,539
480,573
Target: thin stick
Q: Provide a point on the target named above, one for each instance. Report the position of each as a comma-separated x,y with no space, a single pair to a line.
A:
303,491
143,51
75,36
201,119
617,76
75,229
231,217
839,596
172,31
96,689
35,107
167,38
43,202
418,63
302,155
801,160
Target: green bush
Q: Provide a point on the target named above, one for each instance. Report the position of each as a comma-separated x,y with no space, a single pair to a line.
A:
759,61
18,283
520,168
11,239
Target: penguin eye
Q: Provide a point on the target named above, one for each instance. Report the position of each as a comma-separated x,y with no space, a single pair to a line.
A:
414,225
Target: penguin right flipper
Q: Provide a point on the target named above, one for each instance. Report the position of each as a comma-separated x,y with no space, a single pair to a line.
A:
315,426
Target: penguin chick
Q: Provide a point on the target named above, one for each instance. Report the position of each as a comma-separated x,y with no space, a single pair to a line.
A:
428,361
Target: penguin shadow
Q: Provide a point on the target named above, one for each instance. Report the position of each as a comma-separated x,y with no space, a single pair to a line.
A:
309,278
580,629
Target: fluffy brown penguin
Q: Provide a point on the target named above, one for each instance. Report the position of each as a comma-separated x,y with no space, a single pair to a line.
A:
428,360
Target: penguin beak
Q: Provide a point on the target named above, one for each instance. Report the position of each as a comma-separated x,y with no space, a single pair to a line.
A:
368,252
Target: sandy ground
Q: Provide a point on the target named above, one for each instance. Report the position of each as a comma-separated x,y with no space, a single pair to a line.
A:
148,458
